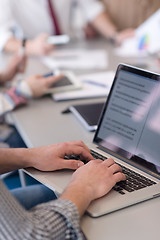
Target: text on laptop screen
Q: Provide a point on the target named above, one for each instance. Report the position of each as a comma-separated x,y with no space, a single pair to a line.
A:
130,126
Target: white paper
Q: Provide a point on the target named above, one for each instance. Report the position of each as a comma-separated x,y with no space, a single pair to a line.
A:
89,90
146,39
77,59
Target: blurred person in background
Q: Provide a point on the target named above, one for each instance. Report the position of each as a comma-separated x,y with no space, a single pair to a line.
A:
33,86
35,21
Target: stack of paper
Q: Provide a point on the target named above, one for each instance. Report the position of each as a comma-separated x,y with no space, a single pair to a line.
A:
77,59
93,85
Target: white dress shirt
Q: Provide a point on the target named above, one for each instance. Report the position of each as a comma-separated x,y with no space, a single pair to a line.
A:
29,18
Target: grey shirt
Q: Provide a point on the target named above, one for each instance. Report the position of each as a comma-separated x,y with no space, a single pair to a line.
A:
58,219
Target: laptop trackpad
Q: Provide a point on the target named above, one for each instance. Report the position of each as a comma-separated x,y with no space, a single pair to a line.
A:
104,205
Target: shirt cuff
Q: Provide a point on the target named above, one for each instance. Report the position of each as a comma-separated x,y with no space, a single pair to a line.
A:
23,89
14,99
4,38
68,209
68,212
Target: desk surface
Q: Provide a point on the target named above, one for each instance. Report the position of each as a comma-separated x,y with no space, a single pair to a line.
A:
41,122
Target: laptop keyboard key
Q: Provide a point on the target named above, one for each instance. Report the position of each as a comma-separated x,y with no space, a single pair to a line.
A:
75,157
98,156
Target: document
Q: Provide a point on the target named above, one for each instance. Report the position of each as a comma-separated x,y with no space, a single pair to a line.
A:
145,41
132,117
77,59
93,85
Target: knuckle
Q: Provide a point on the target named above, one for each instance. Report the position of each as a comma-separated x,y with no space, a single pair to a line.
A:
64,145
74,164
91,162
81,142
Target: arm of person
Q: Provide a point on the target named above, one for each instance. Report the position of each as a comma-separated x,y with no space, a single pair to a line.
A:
96,15
103,24
8,41
37,46
16,65
100,21
54,155
104,174
10,99
34,86
12,159
56,219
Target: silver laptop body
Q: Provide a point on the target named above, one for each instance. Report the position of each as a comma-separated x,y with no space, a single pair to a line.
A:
129,132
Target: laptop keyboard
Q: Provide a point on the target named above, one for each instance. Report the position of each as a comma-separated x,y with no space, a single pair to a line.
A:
134,181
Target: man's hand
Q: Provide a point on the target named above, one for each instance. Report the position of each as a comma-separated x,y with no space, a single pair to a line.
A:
16,65
39,46
92,181
39,85
47,158
123,35
105,174
51,158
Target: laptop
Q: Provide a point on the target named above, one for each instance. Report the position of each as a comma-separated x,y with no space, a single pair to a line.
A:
129,132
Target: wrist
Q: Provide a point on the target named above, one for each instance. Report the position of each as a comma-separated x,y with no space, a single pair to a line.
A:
23,89
29,157
29,47
23,47
16,99
24,157
113,38
13,159
4,76
79,195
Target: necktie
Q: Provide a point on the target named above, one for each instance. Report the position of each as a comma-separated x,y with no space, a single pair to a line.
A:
54,19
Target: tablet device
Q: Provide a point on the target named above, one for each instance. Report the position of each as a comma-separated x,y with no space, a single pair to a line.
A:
68,82
88,114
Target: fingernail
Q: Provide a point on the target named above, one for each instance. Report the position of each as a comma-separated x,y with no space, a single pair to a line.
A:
80,164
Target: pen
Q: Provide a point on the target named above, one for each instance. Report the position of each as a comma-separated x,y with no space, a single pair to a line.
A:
56,72
95,83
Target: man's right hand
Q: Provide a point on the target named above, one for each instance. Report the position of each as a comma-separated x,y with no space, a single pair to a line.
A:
39,84
92,181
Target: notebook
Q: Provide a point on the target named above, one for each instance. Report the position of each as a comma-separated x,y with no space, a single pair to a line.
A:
87,114
94,85
129,132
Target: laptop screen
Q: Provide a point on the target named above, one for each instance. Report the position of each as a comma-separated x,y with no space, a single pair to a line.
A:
130,122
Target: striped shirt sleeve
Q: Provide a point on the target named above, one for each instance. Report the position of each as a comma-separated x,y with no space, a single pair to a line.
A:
14,97
58,219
